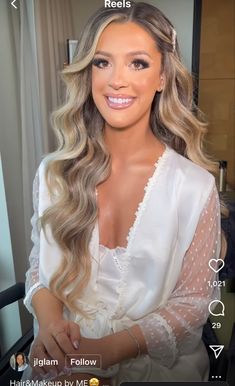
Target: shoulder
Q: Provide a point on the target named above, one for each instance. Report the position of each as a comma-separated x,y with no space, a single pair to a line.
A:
40,188
41,175
42,166
187,174
189,186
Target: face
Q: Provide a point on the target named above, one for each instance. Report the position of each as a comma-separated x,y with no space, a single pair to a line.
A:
20,359
126,74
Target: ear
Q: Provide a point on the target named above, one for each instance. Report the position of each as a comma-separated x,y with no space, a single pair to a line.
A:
161,83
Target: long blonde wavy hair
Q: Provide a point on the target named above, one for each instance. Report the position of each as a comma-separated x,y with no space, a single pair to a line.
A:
82,161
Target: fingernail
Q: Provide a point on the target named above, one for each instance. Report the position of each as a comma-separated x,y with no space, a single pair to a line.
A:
76,344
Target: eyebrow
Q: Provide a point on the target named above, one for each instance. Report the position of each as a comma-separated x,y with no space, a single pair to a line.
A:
132,53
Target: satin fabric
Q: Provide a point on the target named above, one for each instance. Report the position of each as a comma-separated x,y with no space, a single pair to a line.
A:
156,245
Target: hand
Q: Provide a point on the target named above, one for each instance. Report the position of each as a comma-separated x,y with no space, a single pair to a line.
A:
115,348
54,341
99,347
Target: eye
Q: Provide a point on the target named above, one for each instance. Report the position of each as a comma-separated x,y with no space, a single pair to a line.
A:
100,63
139,64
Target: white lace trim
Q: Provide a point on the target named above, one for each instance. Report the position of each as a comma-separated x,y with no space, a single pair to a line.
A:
171,335
123,284
155,328
148,188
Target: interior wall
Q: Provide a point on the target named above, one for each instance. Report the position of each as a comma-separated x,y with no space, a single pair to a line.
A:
82,10
180,13
217,79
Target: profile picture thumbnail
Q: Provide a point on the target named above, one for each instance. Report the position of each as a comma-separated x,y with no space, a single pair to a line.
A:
19,361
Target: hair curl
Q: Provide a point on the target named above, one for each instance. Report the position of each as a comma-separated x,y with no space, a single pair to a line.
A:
82,161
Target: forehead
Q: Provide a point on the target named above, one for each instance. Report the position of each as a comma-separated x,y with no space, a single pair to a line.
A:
118,35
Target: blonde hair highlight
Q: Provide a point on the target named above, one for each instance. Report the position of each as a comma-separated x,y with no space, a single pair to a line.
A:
81,161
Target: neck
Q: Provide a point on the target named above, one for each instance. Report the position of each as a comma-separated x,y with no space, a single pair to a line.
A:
130,144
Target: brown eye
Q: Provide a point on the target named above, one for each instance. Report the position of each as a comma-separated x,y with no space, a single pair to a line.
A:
140,64
100,63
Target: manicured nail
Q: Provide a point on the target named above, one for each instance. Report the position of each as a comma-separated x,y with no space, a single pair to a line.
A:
76,344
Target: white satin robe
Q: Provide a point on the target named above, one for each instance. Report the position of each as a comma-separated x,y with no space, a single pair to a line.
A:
159,281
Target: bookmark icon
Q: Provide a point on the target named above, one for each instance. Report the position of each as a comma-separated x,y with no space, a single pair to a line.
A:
217,348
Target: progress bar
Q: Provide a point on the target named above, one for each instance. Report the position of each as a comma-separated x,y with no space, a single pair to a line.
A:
213,383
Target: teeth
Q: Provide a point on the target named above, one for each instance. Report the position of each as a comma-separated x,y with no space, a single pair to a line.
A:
120,100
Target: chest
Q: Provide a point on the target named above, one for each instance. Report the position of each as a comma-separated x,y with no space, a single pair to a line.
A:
118,200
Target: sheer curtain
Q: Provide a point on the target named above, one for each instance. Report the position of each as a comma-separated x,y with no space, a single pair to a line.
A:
45,25
53,22
32,143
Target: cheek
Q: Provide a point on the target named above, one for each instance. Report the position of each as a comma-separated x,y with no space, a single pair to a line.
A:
146,89
147,84
98,81
94,85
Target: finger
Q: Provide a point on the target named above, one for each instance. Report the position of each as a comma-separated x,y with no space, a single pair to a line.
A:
74,334
64,342
53,349
37,354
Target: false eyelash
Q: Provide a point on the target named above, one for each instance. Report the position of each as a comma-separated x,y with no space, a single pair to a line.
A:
97,61
142,62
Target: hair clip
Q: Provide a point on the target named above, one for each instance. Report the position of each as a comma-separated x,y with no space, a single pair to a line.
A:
173,39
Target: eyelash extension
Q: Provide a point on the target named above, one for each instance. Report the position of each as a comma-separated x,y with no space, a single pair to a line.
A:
142,62
97,61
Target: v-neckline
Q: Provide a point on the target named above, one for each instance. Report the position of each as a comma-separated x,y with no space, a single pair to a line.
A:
141,206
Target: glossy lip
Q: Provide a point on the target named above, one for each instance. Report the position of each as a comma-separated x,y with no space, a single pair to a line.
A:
119,106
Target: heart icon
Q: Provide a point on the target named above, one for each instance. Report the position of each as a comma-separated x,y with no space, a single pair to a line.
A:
213,264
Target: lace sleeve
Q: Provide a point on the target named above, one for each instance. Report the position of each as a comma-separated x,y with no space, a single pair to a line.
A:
176,327
32,284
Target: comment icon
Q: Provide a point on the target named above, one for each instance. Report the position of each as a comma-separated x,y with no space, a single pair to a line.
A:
219,309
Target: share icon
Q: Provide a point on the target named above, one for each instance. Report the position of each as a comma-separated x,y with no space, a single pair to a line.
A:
217,348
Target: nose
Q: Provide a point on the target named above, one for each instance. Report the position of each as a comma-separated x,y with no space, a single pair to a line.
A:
118,77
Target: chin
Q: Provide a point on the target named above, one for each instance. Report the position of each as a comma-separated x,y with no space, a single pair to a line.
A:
118,125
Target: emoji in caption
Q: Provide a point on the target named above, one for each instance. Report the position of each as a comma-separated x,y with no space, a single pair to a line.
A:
94,382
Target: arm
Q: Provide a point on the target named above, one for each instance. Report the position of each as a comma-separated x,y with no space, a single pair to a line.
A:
176,327
56,336
32,283
39,300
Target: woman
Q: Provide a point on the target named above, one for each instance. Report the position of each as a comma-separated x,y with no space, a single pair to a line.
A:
128,209
20,362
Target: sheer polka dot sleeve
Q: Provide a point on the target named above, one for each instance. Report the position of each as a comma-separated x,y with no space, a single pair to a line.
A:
32,284
176,327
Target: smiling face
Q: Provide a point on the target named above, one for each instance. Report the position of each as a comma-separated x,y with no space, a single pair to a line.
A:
126,73
20,359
